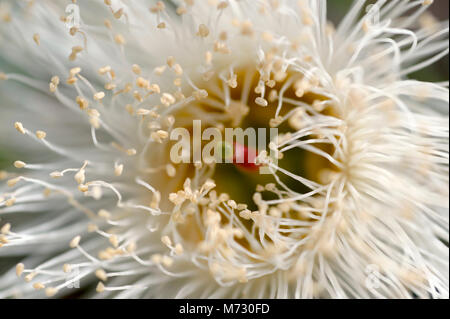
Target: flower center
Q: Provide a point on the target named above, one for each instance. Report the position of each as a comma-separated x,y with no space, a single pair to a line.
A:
236,103
298,160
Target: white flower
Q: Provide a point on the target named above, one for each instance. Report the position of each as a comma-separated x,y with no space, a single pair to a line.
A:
356,207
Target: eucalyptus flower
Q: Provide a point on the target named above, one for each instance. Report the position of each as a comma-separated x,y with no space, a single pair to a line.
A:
355,202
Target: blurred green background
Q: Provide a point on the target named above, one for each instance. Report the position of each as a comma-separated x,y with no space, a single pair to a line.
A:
336,10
